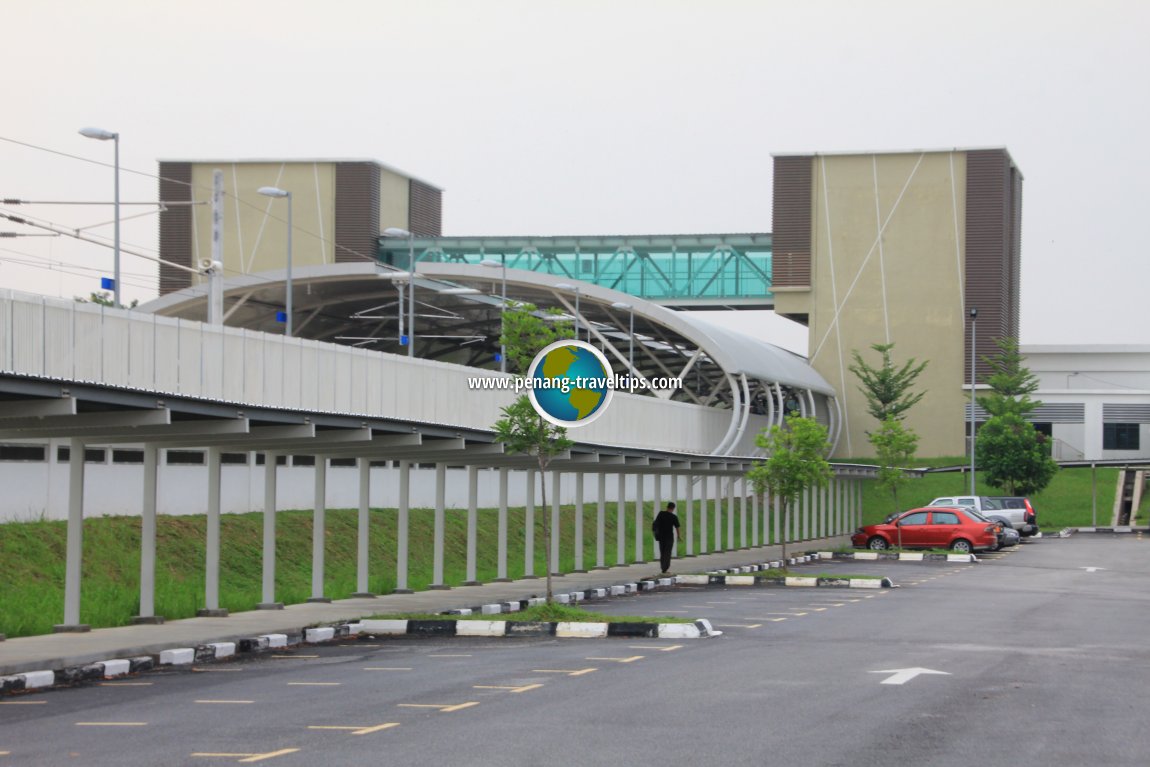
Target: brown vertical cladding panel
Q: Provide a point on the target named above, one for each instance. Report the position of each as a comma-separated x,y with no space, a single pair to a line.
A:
175,226
791,222
356,210
993,250
425,210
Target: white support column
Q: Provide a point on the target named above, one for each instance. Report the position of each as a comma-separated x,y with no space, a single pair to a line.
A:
148,540
363,526
319,531
640,526
211,608
824,516
529,528
268,601
553,559
501,553
690,497
741,483
579,523
403,528
621,521
730,484
601,523
773,502
440,505
656,507
703,501
758,524
719,513
75,540
472,524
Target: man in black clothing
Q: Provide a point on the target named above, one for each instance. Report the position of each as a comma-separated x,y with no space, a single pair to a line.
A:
666,529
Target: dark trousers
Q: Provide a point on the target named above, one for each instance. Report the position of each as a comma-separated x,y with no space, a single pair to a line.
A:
665,548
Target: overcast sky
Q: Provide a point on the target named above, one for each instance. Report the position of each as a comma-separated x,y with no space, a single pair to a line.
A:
594,117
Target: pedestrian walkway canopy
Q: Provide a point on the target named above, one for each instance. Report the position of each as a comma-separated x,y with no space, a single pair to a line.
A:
700,271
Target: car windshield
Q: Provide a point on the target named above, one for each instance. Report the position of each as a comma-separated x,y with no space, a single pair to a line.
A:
991,503
976,515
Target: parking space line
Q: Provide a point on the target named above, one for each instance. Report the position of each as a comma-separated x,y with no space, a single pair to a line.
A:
387,668
738,625
445,709
111,724
314,684
251,757
356,729
632,659
22,702
216,670
578,672
125,684
294,657
655,647
445,655
225,701
522,688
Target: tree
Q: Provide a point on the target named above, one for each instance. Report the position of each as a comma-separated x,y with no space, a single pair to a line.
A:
103,298
527,330
1011,383
796,460
886,389
524,431
1013,455
895,447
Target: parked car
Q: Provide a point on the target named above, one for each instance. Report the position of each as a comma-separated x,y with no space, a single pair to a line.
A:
1019,516
952,528
1011,504
1007,535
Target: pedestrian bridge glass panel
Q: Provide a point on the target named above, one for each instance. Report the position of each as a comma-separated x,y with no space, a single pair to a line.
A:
674,270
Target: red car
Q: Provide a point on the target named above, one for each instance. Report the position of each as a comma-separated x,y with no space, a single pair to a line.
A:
932,527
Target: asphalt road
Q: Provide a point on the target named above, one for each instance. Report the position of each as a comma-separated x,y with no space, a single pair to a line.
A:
1043,661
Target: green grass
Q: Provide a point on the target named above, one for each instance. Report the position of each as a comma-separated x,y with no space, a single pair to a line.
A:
1066,502
552,613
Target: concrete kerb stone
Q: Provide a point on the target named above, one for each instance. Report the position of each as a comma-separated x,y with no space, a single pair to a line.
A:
896,556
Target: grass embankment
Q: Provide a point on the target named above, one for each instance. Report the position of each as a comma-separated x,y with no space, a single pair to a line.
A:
1066,502
32,559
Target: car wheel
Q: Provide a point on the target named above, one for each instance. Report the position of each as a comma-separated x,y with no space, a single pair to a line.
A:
962,546
877,544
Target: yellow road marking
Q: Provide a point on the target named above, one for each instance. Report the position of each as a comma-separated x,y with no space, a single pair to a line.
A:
355,729
111,724
387,668
225,701
444,709
655,647
314,684
632,659
580,672
251,757
523,688
125,684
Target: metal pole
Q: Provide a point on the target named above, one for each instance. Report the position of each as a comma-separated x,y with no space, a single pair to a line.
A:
502,322
973,345
289,285
411,295
116,234
631,345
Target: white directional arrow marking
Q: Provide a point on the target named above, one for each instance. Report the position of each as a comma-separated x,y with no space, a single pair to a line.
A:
1093,569
904,675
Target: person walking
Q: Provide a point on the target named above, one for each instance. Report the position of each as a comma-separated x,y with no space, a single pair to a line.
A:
666,530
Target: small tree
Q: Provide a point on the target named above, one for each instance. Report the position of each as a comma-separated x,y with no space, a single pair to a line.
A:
103,298
887,390
526,330
1014,456
796,460
1011,382
524,431
895,447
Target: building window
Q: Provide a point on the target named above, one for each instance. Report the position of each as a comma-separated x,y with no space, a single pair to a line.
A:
91,455
22,453
127,456
186,457
1120,436
234,459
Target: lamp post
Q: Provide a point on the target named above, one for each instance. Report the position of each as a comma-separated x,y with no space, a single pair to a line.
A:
569,286
272,191
1068,377
502,265
631,344
395,231
973,346
104,135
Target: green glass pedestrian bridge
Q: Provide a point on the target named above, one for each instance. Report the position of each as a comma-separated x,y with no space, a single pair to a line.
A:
695,271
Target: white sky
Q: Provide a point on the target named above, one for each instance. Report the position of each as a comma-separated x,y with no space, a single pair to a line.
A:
595,117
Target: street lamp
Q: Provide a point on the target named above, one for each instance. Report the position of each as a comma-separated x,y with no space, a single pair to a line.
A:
272,191
631,345
395,231
1068,377
569,286
973,345
105,135
492,264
